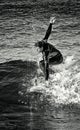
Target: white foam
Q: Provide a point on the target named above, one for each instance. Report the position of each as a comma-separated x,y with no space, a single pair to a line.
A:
64,86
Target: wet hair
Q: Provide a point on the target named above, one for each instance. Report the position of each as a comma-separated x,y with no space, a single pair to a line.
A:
42,44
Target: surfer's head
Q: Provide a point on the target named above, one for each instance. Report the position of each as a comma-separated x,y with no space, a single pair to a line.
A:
41,44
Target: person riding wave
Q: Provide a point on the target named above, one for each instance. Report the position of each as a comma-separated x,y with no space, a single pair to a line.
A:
51,55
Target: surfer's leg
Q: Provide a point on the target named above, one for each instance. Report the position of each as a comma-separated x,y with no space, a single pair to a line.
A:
56,59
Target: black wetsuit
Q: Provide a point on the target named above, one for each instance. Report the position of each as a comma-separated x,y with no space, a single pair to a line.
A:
51,55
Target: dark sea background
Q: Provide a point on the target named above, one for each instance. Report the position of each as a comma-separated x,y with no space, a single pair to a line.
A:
25,104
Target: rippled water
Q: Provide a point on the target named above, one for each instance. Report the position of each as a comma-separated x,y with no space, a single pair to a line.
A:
25,101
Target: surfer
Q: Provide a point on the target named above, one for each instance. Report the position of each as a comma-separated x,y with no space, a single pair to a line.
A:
51,55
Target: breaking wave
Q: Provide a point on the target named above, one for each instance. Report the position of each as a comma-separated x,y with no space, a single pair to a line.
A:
64,85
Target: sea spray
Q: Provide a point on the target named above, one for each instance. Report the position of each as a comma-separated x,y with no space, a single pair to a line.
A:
64,84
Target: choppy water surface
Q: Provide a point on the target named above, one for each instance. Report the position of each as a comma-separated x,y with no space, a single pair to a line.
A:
25,102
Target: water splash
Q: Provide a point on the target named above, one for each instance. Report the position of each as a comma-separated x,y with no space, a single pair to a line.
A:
64,84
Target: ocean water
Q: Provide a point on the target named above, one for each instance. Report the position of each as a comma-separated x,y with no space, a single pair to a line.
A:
26,103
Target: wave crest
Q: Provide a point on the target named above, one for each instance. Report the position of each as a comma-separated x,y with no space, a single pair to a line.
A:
64,85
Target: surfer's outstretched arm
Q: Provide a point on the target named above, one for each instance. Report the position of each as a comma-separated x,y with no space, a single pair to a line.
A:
48,32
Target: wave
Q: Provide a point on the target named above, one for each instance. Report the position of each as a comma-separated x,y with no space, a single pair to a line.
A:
12,76
64,84
22,82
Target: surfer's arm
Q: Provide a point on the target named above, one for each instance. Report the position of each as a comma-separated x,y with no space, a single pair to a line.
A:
46,57
48,32
46,65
